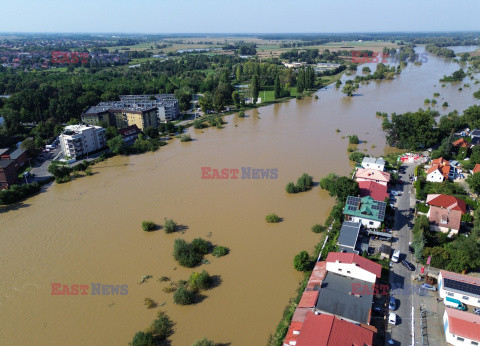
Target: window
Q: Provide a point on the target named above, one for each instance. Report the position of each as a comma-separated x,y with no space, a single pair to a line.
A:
339,269
465,298
348,272
450,294
474,343
460,339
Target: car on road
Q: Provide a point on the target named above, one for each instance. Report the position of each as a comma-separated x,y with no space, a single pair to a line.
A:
476,311
396,256
392,318
392,304
429,287
408,265
410,249
394,193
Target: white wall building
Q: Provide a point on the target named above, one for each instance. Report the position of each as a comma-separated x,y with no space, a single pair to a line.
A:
462,287
78,140
461,328
374,163
354,266
435,176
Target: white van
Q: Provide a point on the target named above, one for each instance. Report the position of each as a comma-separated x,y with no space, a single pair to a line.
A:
396,256
392,318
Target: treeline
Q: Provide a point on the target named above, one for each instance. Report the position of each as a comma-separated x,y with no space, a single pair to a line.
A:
312,56
439,51
419,130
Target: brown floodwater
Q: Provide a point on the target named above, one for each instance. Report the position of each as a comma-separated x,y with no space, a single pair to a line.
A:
88,231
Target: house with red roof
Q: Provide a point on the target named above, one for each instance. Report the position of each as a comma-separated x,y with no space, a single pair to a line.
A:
461,143
445,213
353,266
368,174
476,169
130,133
375,190
464,288
328,330
440,170
461,327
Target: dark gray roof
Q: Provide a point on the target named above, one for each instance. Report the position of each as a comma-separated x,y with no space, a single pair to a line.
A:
475,132
3,151
334,298
384,248
6,163
16,154
349,234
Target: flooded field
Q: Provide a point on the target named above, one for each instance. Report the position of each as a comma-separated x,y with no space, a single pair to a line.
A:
88,231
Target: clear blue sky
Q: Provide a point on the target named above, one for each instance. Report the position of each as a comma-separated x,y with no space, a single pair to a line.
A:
242,16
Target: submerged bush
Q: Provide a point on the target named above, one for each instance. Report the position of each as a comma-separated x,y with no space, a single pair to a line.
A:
272,218
149,226
220,251
183,296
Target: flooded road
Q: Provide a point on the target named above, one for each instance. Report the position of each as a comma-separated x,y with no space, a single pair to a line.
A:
88,231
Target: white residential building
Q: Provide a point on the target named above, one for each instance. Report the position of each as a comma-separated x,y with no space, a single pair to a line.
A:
374,163
464,288
79,140
353,266
461,328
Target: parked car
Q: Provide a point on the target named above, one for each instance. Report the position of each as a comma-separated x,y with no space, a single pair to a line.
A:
392,304
411,250
396,256
392,318
408,265
393,192
476,311
429,287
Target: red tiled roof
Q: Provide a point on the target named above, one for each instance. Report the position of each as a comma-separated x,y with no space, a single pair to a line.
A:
440,161
372,174
309,299
300,314
476,169
370,188
294,327
363,263
445,218
129,130
447,202
461,323
318,274
327,330
461,143
444,170
459,277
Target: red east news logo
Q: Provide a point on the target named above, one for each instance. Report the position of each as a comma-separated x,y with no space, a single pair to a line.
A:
69,57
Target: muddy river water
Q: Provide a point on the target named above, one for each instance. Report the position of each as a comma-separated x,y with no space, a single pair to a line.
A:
88,231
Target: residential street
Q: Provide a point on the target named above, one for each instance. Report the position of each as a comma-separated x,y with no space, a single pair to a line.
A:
400,276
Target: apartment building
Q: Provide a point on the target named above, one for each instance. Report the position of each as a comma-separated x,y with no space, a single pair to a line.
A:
79,140
140,110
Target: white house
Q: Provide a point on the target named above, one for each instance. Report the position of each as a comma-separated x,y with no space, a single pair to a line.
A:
353,266
435,176
462,287
461,328
374,163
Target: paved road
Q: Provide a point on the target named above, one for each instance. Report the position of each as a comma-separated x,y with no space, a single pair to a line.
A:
400,276
40,169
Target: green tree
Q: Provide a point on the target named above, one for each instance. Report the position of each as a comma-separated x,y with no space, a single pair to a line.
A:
236,98
203,342
474,182
277,89
304,183
143,339
183,296
169,225
348,89
272,218
340,187
302,261
162,327
255,88
206,102
219,251
464,254
291,188
301,80
151,132
117,145
200,281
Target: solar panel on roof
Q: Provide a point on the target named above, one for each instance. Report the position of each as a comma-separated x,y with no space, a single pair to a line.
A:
461,286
